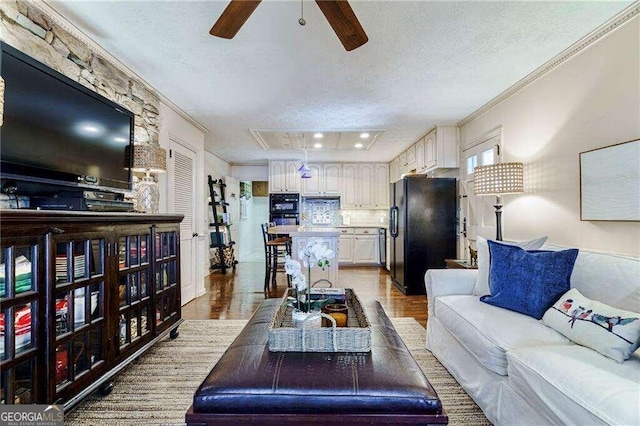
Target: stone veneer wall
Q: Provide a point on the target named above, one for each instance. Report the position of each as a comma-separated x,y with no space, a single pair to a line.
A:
28,29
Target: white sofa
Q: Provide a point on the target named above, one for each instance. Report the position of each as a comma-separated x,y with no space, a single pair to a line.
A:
521,372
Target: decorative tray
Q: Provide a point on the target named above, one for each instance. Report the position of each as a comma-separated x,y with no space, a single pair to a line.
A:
356,337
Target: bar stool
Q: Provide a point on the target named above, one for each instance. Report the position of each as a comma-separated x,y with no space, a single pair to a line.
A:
274,248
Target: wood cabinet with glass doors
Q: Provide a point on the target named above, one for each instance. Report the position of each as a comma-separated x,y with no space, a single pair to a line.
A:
82,295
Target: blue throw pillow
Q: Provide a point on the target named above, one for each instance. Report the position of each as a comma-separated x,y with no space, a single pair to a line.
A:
528,282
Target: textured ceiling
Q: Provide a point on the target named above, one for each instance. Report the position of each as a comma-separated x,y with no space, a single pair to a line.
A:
426,63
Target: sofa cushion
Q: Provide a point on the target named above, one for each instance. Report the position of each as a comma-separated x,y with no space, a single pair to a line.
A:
528,282
576,384
488,332
612,332
481,286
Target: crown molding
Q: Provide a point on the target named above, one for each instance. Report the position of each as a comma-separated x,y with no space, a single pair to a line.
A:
210,150
594,36
59,20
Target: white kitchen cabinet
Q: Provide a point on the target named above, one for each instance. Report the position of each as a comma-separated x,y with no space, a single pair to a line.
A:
365,246
332,178
394,170
411,158
420,156
365,186
402,166
345,246
358,246
283,176
381,188
325,179
441,148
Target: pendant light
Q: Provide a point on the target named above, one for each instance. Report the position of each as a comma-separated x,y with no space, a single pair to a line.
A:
304,170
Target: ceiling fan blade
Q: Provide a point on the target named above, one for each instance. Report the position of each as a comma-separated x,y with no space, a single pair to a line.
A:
233,17
344,23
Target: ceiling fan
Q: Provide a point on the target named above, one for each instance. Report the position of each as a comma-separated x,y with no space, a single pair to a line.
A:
338,12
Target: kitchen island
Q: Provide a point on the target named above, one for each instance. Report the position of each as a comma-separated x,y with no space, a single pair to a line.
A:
300,236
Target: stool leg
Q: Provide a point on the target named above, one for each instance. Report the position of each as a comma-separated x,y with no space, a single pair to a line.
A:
267,268
274,267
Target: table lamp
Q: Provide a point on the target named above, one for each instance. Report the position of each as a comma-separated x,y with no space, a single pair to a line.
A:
148,159
498,179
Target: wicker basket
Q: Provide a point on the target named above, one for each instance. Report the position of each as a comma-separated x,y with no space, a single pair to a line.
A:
356,337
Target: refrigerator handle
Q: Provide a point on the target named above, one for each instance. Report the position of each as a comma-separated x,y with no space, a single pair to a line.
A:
393,221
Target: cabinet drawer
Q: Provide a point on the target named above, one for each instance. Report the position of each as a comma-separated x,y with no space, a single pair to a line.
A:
366,231
346,231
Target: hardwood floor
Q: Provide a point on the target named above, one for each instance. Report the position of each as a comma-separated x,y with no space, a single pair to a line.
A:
237,295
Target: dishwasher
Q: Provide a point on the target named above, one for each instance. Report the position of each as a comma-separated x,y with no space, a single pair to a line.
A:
382,243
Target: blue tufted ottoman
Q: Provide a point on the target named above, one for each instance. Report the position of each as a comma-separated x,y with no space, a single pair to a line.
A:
250,385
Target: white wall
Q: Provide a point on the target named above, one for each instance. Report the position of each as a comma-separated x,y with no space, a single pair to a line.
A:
590,101
250,173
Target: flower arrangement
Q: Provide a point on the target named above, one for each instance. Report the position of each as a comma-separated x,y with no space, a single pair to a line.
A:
316,252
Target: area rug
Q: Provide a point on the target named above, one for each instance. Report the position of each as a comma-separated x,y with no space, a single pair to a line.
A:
158,388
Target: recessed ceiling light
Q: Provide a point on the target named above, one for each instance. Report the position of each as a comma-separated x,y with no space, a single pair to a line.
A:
317,145
358,145
364,135
318,135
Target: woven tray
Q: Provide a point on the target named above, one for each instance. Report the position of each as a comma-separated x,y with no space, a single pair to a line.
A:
356,337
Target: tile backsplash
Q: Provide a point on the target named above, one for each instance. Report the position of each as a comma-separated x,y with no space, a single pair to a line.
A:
365,217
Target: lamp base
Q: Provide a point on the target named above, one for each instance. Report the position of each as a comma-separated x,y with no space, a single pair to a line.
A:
147,195
498,208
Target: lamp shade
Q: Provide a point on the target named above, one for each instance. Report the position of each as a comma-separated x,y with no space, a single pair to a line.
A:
497,179
304,168
148,158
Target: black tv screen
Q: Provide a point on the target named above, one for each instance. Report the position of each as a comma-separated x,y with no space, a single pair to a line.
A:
56,130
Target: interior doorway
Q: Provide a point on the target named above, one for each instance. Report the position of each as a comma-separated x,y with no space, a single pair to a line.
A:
254,211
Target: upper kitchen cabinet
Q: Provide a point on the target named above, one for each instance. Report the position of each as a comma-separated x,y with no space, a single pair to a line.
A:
365,186
394,170
325,180
411,158
381,194
283,176
441,149
421,165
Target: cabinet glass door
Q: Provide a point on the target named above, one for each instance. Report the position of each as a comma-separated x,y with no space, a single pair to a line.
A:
78,310
167,295
21,344
134,289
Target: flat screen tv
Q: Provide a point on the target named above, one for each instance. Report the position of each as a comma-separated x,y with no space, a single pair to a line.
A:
57,131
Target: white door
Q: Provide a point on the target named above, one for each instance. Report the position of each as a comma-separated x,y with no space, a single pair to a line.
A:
477,213
182,178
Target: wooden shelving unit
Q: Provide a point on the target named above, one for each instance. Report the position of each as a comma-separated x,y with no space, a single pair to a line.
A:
83,294
220,243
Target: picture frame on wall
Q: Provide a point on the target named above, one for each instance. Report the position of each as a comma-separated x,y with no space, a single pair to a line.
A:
610,183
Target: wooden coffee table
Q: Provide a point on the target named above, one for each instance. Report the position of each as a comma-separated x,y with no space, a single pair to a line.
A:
250,385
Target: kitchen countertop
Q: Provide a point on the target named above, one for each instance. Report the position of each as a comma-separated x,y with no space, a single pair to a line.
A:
304,230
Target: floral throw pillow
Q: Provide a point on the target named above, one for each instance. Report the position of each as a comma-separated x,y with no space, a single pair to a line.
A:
613,332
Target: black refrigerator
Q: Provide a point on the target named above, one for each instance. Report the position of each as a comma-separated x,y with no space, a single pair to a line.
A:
422,225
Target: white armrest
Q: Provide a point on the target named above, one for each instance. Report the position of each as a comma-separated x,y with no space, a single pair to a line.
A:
442,282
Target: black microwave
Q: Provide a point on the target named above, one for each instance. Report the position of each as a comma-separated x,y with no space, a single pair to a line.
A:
284,203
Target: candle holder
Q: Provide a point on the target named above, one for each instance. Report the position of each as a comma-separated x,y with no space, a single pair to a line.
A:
339,312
